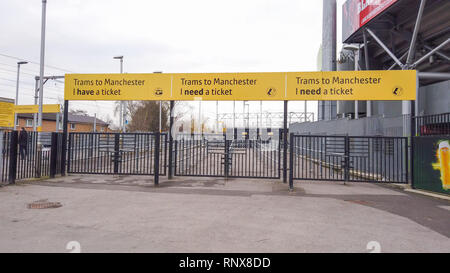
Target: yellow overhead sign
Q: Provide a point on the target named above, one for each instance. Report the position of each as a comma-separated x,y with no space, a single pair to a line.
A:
337,85
229,86
6,114
352,85
31,109
117,87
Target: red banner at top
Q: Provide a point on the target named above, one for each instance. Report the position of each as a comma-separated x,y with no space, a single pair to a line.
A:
357,13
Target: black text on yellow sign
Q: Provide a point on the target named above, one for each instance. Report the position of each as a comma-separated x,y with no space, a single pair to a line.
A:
117,87
342,85
352,85
229,86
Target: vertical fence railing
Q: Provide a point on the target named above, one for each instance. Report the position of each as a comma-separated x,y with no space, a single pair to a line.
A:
13,157
32,158
344,158
118,153
5,139
219,156
429,125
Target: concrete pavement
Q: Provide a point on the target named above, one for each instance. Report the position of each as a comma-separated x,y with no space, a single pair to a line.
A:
128,214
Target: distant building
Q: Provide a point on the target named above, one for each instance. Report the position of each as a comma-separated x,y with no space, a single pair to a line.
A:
76,123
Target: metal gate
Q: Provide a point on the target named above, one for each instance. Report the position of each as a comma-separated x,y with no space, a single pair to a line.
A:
227,156
117,153
345,158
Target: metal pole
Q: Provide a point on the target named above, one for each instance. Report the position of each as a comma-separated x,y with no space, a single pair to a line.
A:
285,138
367,64
260,114
234,114
217,117
17,95
416,103
366,50
2,134
41,70
57,122
291,162
356,53
439,53
248,122
200,117
243,114
95,122
12,172
430,53
156,159
122,102
36,96
400,59
385,48
53,154
306,110
64,138
412,47
434,75
160,117
172,106
329,33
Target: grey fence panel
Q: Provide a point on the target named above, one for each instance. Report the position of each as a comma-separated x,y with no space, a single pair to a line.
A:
344,158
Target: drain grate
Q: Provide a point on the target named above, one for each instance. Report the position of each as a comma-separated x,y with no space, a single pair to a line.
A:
360,202
44,204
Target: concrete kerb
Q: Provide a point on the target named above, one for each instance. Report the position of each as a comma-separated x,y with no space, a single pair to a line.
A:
430,194
280,187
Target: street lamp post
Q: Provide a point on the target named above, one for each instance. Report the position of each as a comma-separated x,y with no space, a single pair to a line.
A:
122,110
17,92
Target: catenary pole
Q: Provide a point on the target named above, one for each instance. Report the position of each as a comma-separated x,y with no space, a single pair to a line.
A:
41,69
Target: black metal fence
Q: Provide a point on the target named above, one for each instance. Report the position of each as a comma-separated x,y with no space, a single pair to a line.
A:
5,140
345,158
117,153
33,160
432,124
217,156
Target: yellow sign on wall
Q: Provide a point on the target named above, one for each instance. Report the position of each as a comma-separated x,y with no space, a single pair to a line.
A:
6,114
31,109
337,85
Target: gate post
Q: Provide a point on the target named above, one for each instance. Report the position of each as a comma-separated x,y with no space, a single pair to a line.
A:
175,158
69,154
285,132
227,158
409,161
13,156
170,171
53,154
291,162
116,153
156,158
64,138
346,159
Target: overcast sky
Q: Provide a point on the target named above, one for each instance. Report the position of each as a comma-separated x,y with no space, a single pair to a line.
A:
172,36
